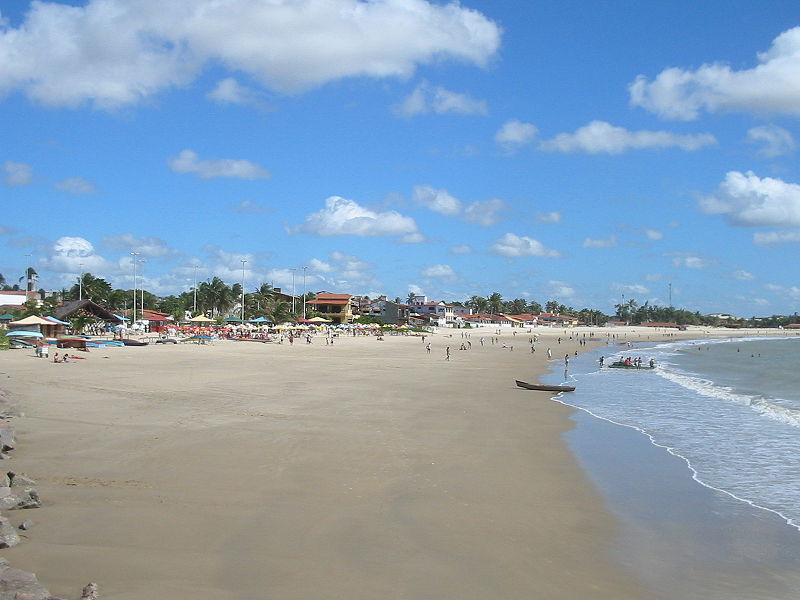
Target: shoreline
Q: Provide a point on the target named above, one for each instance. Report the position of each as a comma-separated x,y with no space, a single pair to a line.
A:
408,506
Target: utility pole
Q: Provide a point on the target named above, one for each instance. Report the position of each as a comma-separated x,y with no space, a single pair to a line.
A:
133,260
80,282
304,291
141,262
243,261
670,294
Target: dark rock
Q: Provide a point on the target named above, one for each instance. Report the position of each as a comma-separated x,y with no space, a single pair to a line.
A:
90,592
16,498
20,585
26,525
8,536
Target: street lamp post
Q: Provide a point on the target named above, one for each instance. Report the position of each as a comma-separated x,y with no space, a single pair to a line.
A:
243,261
194,306
304,291
133,314
80,282
293,293
141,262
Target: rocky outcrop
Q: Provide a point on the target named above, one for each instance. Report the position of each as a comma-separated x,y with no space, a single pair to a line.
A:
21,585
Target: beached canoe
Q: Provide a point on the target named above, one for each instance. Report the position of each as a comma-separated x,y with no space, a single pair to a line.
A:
545,388
130,342
622,366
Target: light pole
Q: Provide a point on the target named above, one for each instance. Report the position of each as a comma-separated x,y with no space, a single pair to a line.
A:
304,291
28,285
293,297
194,306
133,260
80,281
243,261
141,262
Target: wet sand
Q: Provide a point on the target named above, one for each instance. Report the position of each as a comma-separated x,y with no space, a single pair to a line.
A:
361,470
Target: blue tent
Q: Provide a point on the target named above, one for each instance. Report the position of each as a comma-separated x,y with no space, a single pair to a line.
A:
260,320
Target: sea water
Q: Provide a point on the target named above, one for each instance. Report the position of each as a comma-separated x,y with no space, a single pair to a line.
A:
721,419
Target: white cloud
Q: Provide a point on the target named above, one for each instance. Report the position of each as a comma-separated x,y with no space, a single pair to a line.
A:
426,99
71,255
688,260
653,234
436,200
346,217
761,301
770,87
764,238
188,162
76,186
548,217
16,173
743,275
230,91
515,246
560,289
608,242
348,273
248,206
514,134
600,137
149,45
792,292
415,289
412,238
439,271
461,249
746,199
147,246
635,288
775,140
484,212
319,266
654,276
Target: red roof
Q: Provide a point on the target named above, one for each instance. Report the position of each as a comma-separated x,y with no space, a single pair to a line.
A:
328,301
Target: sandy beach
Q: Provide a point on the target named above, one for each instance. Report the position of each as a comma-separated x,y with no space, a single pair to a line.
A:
364,469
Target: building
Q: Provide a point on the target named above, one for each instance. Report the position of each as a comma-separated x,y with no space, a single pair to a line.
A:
495,320
446,313
338,308
12,300
387,311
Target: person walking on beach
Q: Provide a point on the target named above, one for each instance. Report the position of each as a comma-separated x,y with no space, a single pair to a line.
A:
566,360
428,347
447,353
549,353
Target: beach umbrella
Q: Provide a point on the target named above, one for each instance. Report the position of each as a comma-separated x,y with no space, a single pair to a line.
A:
201,319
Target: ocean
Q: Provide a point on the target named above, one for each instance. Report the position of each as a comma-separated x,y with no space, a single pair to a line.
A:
705,474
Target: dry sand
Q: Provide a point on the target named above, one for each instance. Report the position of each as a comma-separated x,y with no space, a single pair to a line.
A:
362,470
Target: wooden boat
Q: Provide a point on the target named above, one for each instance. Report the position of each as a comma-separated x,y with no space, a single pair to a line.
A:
131,342
545,388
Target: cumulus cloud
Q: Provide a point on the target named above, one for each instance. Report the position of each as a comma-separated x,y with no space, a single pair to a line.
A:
688,260
230,91
514,134
76,186
71,255
345,272
436,200
461,249
146,246
770,87
480,212
188,162
439,271
743,275
346,217
319,266
427,99
515,246
608,242
560,289
634,288
774,140
550,217
148,45
792,292
746,199
412,238
16,173
599,137
765,238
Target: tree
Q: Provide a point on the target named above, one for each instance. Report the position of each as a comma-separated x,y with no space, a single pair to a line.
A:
534,307
551,306
495,303
91,288
478,304
215,296
517,306
410,297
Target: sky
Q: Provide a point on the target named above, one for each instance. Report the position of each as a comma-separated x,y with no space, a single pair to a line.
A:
584,152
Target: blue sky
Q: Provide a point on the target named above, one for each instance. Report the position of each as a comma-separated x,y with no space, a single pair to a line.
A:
575,151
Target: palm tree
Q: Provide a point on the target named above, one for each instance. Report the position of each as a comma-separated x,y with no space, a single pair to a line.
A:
215,296
410,298
262,298
551,306
517,306
280,311
478,304
495,303
91,288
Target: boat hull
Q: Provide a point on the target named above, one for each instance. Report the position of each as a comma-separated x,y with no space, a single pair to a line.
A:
545,388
